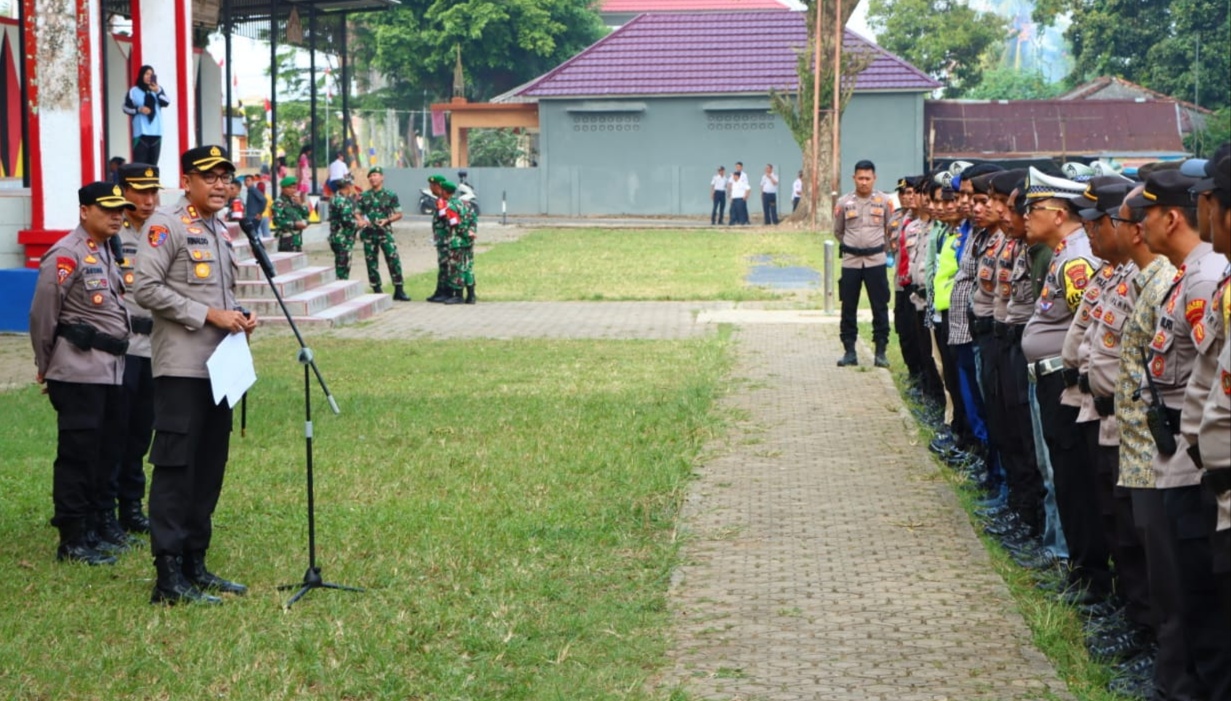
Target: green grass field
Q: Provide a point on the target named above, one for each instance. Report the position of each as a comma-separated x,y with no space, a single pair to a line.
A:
509,507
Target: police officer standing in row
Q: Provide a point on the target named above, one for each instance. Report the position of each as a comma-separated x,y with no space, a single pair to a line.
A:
185,277
861,225
79,330
141,186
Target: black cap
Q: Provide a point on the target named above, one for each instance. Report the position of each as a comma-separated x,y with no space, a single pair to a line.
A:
1100,200
1006,181
105,195
203,158
1209,183
982,183
140,176
1166,188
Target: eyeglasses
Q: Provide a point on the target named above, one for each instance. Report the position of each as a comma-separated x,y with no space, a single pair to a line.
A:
1121,220
1032,208
212,178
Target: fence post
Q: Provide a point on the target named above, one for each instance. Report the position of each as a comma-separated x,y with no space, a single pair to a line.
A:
828,277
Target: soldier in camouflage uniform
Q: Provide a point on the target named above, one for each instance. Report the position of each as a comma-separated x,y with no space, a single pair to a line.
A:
290,217
440,239
344,223
381,208
461,246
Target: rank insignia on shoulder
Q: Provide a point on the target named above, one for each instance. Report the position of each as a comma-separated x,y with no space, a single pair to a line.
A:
1199,332
192,212
186,220
91,245
157,235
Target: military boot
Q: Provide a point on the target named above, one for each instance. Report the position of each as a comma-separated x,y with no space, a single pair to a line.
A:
850,359
75,548
399,294
111,536
194,570
470,294
442,290
172,587
132,518
376,289
881,360
455,297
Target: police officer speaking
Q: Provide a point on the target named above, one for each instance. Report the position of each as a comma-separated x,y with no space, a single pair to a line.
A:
79,330
185,277
861,225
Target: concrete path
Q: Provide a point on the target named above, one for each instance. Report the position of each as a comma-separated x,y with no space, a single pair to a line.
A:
823,556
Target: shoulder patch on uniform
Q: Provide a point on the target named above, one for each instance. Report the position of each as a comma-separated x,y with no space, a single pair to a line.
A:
1077,274
1194,310
64,267
157,235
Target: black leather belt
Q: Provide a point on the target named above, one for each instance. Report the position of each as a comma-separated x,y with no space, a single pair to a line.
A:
1083,383
87,337
983,325
1105,406
143,325
1000,329
852,251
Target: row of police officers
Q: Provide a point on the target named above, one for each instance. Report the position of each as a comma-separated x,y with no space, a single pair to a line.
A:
1072,325
121,336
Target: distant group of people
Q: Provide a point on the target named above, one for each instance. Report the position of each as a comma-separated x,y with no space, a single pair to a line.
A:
735,190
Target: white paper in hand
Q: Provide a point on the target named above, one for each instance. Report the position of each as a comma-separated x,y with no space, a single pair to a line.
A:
231,372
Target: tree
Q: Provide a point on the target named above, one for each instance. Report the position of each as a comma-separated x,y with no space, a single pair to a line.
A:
1175,47
504,43
499,148
796,108
944,38
1005,83
1217,131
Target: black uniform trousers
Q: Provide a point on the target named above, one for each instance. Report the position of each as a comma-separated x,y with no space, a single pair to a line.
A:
719,208
769,207
191,443
908,334
1017,456
1073,475
875,278
1174,675
993,408
87,446
127,481
1192,513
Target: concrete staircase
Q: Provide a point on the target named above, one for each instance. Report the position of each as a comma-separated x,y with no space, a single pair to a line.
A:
313,294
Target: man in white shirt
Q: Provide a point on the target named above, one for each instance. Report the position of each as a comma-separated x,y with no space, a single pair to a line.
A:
769,195
740,189
797,191
338,171
718,195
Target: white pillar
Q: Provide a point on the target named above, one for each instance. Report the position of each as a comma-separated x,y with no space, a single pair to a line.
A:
162,38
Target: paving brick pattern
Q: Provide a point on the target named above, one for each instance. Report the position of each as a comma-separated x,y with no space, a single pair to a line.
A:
824,560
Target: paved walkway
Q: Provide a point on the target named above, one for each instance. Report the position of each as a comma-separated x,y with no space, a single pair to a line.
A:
823,557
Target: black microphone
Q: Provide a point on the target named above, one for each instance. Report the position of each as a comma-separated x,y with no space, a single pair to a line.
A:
258,248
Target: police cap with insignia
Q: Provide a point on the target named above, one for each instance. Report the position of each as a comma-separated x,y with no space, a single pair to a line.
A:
140,176
1078,172
1206,171
903,183
1166,188
105,195
1041,186
1096,200
205,158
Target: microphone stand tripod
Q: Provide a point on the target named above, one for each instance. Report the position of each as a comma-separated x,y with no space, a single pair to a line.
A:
312,577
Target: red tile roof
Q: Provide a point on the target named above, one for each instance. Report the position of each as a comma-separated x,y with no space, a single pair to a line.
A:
689,5
711,53
1024,128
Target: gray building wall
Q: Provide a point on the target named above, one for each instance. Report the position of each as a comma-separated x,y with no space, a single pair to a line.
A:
655,156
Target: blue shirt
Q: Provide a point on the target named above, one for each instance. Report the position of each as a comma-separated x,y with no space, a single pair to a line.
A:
146,124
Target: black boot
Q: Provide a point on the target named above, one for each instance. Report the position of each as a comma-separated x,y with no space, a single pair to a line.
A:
442,290
470,294
194,570
132,518
399,295
881,360
75,548
455,297
850,359
376,289
111,536
172,587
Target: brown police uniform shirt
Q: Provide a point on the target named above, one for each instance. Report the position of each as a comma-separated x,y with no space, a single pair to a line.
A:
185,267
1106,327
1208,335
1172,352
78,283
1072,266
862,222
987,252
130,240
1003,276
1022,297
1215,432
1071,350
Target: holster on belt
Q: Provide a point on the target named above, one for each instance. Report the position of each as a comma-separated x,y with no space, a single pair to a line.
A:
1158,416
86,337
1083,383
143,325
1194,452
1217,480
1105,406
1070,376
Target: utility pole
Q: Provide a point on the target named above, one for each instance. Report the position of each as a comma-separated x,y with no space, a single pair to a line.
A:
815,194
836,116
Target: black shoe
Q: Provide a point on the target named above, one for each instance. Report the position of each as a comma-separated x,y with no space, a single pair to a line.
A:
195,572
848,360
1143,663
376,289
455,297
132,519
111,536
1039,561
75,548
1080,597
172,587
438,295
1118,647
1004,526
470,298
1138,687
880,360
399,295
